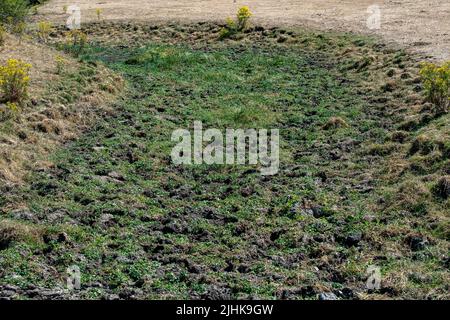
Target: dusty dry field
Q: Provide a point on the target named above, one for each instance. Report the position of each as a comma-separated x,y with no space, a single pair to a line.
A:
420,25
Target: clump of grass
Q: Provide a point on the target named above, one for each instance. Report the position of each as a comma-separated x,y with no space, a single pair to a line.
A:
422,144
442,188
14,231
60,64
436,82
76,41
19,29
378,149
98,12
14,80
239,24
2,35
399,136
413,195
44,30
335,123
8,111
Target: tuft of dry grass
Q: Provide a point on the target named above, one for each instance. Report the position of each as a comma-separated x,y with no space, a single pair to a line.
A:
15,231
335,123
442,187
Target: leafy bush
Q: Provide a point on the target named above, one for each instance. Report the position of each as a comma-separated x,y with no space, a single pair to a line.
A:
436,82
234,26
13,10
14,80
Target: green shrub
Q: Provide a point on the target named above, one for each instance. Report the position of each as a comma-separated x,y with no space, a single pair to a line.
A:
13,10
436,82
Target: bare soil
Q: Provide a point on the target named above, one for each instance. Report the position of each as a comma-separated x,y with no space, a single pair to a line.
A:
422,26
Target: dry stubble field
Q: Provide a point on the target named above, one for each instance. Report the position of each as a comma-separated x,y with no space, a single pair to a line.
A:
421,25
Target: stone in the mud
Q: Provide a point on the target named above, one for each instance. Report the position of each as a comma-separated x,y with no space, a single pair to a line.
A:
62,237
327,296
319,212
7,293
116,175
146,218
247,191
417,243
182,193
276,234
173,227
24,215
215,292
353,239
107,220
347,293
229,267
443,187
192,267
210,213
230,219
282,39
111,297
244,268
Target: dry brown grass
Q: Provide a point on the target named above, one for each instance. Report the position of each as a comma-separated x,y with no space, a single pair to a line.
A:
41,57
335,123
40,127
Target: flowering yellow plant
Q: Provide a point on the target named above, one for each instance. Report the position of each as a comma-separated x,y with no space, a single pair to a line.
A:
242,17
14,80
244,13
436,82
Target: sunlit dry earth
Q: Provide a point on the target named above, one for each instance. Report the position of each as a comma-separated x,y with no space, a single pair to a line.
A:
421,25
